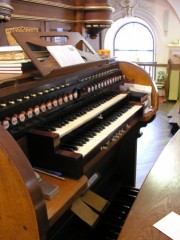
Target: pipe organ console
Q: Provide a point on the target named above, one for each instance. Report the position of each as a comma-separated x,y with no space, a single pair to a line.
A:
81,123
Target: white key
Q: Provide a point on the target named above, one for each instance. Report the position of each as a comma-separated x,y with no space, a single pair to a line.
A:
93,142
62,131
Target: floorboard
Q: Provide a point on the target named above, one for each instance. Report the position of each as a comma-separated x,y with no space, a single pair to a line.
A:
155,137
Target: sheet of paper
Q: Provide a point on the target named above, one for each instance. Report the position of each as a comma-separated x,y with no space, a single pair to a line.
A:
65,55
170,225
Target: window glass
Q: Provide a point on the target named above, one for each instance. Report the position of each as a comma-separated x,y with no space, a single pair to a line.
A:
134,42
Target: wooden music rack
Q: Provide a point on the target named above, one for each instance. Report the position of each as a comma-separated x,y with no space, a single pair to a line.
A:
33,43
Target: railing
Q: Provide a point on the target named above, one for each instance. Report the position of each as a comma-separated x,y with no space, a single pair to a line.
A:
151,68
160,73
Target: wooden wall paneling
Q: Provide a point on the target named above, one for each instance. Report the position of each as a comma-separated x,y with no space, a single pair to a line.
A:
79,18
71,15
3,38
41,11
21,26
97,15
16,23
51,26
69,2
25,23
46,17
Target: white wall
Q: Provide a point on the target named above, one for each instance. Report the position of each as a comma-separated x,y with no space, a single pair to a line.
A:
176,6
160,17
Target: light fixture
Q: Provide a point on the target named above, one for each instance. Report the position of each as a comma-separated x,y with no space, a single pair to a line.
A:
128,6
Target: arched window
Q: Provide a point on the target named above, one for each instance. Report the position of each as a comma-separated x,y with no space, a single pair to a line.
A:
132,33
134,42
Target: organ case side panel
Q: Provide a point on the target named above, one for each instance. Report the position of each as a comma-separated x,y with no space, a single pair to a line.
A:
23,212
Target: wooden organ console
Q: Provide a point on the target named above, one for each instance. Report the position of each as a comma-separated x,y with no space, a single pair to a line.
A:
76,120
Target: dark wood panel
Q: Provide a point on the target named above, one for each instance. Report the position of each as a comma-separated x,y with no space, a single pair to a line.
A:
41,11
23,211
24,23
71,2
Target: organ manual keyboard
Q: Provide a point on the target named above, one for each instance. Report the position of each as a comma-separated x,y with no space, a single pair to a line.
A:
79,121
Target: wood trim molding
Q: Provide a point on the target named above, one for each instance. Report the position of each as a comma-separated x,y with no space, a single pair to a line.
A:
6,6
98,7
5,11
104,22
71,7
36,18
50,3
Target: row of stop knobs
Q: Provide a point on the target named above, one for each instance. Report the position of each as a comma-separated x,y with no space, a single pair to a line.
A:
21,117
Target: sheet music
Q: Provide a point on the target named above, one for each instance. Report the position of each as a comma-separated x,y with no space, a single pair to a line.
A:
65,55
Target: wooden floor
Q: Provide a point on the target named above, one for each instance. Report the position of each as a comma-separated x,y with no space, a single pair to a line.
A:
155,137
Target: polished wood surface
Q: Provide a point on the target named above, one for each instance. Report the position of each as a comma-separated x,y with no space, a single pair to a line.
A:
159,195
136,75
23,213
79,16
69,190
157,132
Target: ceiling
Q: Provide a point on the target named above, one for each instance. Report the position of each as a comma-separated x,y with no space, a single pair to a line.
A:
175,4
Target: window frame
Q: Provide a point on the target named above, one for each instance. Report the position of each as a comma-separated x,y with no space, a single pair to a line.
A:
130,50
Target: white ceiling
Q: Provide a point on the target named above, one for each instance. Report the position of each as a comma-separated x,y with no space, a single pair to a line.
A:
176,5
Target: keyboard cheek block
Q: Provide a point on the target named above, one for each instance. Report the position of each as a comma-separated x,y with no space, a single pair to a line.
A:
44,152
